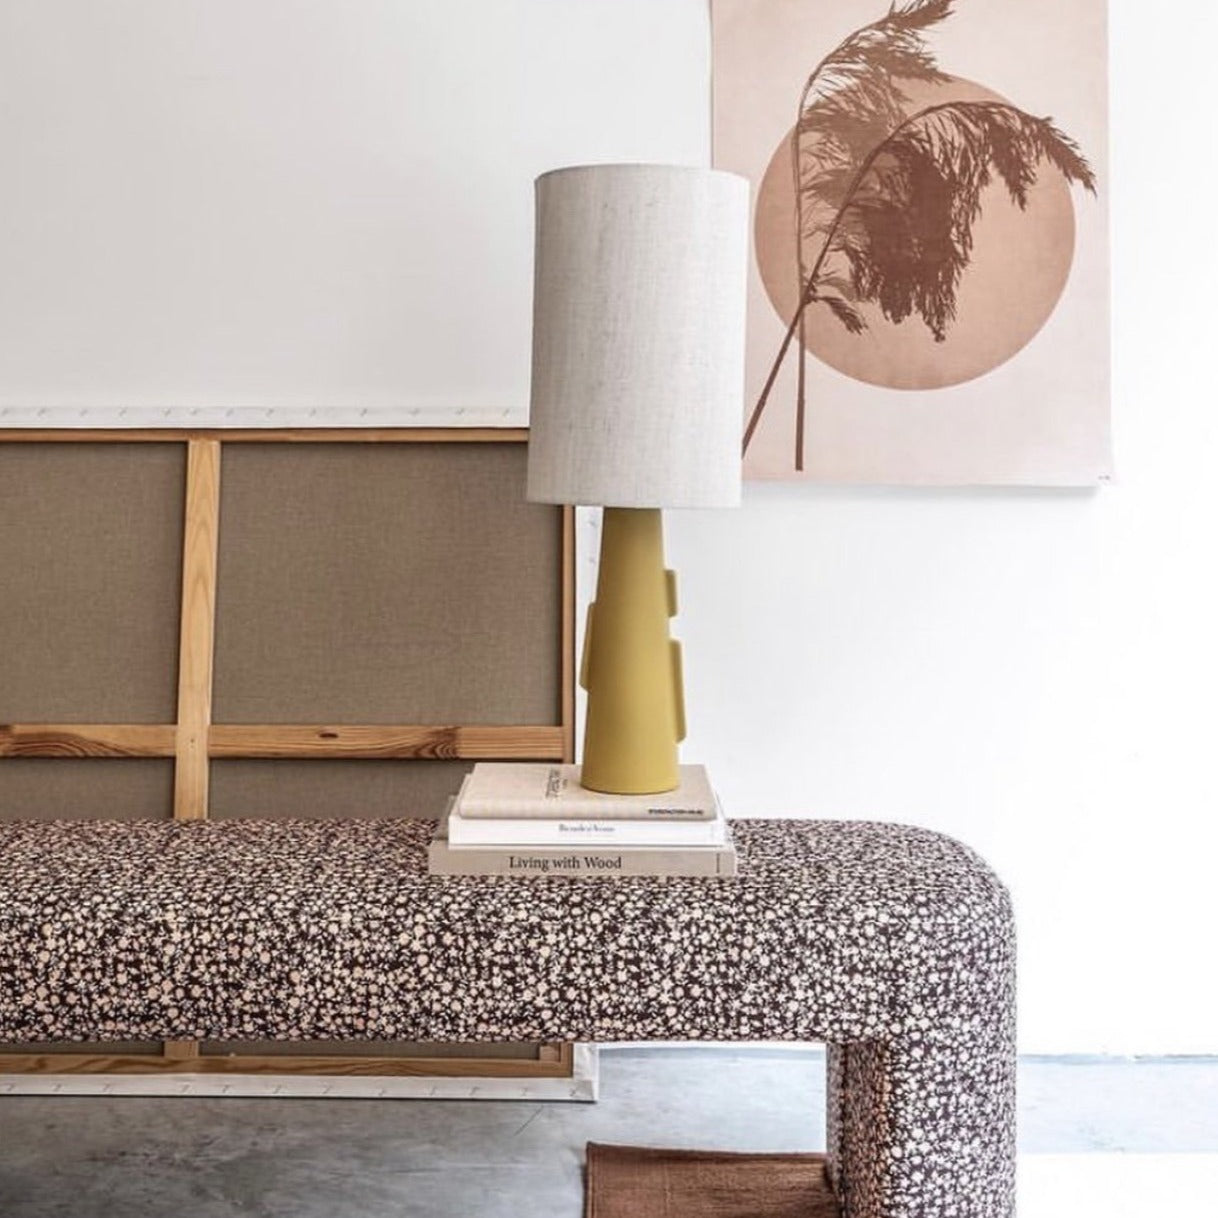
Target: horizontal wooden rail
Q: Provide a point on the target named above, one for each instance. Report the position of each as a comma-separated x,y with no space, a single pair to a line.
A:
239,1063
87,739
291,740
486,742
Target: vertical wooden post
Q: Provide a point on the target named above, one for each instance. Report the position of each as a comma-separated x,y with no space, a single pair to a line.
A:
196,651
197,647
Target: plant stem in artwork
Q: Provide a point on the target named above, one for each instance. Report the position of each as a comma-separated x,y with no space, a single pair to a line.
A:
986,139
903,190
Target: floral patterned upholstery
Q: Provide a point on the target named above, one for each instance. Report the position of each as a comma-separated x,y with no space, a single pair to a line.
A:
894,945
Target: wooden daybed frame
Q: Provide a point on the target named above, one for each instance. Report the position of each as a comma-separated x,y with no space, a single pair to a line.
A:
195,740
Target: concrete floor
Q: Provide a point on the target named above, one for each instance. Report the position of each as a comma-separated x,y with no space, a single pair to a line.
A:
94,1157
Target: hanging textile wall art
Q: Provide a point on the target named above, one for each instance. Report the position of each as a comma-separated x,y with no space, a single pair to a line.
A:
929,283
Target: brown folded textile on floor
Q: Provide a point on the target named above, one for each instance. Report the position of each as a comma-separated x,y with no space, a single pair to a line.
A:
644,1182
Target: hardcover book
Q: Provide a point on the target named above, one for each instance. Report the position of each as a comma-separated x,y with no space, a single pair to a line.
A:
542,790
580,830
534,831
446,859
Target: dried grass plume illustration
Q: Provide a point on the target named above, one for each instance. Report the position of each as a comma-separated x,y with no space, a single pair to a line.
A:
887,195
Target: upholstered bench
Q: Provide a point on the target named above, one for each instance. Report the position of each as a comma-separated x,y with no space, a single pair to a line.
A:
893,945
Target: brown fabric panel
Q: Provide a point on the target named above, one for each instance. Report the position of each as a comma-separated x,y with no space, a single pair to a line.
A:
394,583
92,788
90,579
325,789
646,1182
365,1048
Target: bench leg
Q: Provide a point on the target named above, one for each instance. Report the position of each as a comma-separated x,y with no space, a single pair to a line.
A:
919,1130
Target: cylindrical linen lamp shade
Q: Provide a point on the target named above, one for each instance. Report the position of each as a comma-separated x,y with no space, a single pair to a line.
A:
638,336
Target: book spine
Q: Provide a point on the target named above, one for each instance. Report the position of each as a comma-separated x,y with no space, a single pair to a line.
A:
444,860
579,834
557,809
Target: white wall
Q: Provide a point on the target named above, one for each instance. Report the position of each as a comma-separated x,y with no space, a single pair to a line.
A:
293,203
230,205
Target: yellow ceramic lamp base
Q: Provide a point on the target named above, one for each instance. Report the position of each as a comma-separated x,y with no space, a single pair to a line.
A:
631,668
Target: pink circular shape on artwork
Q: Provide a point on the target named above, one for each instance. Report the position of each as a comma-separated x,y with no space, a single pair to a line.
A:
1019,267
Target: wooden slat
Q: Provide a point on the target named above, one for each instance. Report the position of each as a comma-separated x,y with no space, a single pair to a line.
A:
180,1050
237,1063
197,649
544,742
268,435
567,641
411,740
87,740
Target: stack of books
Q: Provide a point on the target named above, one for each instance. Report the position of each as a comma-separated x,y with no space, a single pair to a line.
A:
535,819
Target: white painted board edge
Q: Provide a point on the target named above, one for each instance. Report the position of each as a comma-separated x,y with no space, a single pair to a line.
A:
258,416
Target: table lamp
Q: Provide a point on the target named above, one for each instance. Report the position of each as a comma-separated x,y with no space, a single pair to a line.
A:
636,405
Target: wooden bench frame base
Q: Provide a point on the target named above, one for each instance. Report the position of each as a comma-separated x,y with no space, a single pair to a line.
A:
194,740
